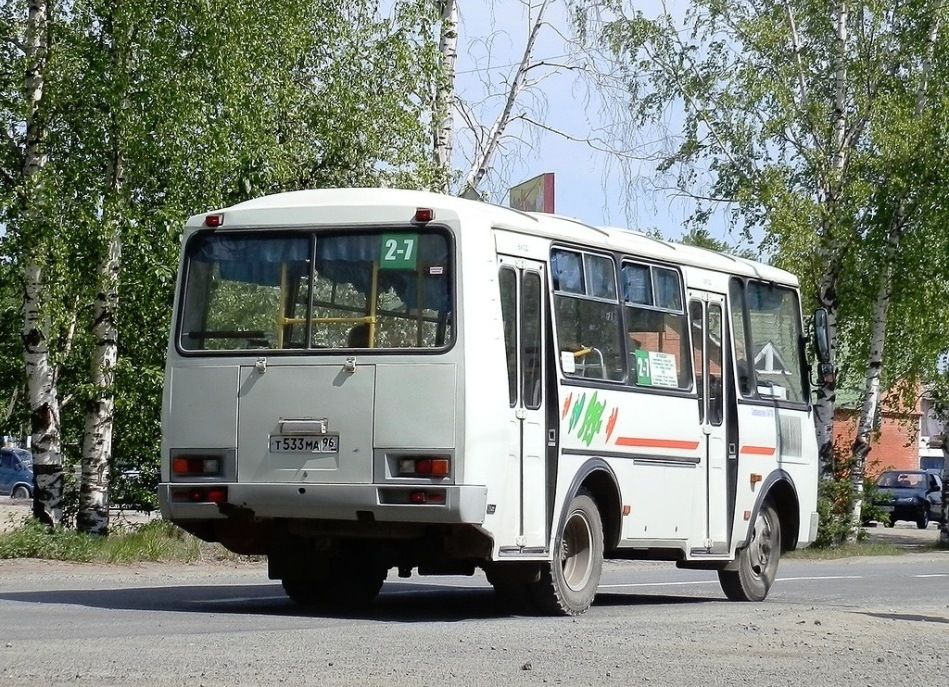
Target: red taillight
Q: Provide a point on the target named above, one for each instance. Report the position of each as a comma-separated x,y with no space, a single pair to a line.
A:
195,465
424,215
216,494
213,220
199,494
424,466
427,497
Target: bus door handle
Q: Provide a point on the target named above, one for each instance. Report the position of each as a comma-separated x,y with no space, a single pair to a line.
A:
520,414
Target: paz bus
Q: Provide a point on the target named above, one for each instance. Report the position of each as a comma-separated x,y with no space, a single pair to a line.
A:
362,380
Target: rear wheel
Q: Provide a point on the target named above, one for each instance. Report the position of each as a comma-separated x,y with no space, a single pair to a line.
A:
568,583
20,492
757,563
343,584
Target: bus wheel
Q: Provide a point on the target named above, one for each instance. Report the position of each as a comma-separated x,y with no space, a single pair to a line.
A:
342,586
757,563
568,583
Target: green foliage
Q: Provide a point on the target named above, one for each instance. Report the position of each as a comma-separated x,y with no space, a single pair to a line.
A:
35,540
157,110
819,143
835,502
154,541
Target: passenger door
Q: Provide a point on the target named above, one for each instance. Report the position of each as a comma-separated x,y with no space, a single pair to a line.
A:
706,312
523,312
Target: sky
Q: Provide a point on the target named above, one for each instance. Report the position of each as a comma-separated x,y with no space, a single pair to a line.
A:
591,185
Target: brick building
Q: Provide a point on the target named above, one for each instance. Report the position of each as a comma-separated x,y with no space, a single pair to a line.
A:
896,445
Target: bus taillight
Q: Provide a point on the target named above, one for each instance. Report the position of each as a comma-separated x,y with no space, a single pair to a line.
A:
425,466
199,494
427,497
189,466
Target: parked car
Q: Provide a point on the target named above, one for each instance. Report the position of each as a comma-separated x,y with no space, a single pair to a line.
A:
914,495
16,473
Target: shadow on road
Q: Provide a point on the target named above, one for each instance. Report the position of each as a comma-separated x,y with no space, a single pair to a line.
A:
398,602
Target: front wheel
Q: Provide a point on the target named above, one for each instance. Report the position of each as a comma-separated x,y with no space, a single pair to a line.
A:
922,522
20,492
568,583
757,563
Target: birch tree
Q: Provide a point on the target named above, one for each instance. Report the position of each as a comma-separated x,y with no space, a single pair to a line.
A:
25,129
489,140
781,131
443,119
902,190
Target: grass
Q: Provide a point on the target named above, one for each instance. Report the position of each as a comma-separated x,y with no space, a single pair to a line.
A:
156,541
863,548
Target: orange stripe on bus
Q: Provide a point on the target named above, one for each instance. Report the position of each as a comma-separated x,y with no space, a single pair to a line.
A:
758,450
657,443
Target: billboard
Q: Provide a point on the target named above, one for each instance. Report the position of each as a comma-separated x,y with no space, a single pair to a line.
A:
534,195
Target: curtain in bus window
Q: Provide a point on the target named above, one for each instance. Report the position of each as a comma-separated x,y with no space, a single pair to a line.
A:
567,271
349,259
601,282
668,292
637,287
254,260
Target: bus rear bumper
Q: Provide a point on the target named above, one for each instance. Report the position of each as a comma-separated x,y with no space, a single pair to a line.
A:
416,503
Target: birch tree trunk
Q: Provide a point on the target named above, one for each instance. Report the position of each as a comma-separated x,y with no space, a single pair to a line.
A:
826,403
41,377
93,517
871,400
443,124
492,141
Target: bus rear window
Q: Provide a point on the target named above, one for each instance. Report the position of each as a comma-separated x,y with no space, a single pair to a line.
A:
276,291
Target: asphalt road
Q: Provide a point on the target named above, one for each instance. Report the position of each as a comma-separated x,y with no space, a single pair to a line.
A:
862,621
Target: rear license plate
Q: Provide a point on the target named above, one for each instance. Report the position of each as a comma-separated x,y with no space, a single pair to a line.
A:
323,443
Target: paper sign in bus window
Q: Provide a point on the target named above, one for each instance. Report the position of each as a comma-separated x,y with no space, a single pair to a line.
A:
656,369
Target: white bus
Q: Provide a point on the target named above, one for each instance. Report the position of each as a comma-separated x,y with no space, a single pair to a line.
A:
367,379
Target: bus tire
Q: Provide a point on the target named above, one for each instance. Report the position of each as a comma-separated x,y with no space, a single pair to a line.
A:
756,564
343,586
568,583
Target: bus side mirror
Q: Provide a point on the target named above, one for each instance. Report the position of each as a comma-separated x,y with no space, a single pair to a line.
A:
822,345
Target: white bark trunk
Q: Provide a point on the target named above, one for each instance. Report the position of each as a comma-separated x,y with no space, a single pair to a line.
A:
871,402
443,124
41,377
44,405
483,157
829,195
826,402
93,517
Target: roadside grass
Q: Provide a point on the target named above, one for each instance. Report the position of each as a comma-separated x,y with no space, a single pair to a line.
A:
156,541
861,548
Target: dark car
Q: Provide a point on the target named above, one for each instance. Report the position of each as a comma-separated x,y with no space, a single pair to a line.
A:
16,473
914,495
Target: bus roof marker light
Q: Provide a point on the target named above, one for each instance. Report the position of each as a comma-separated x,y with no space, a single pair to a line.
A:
424,215
214,220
